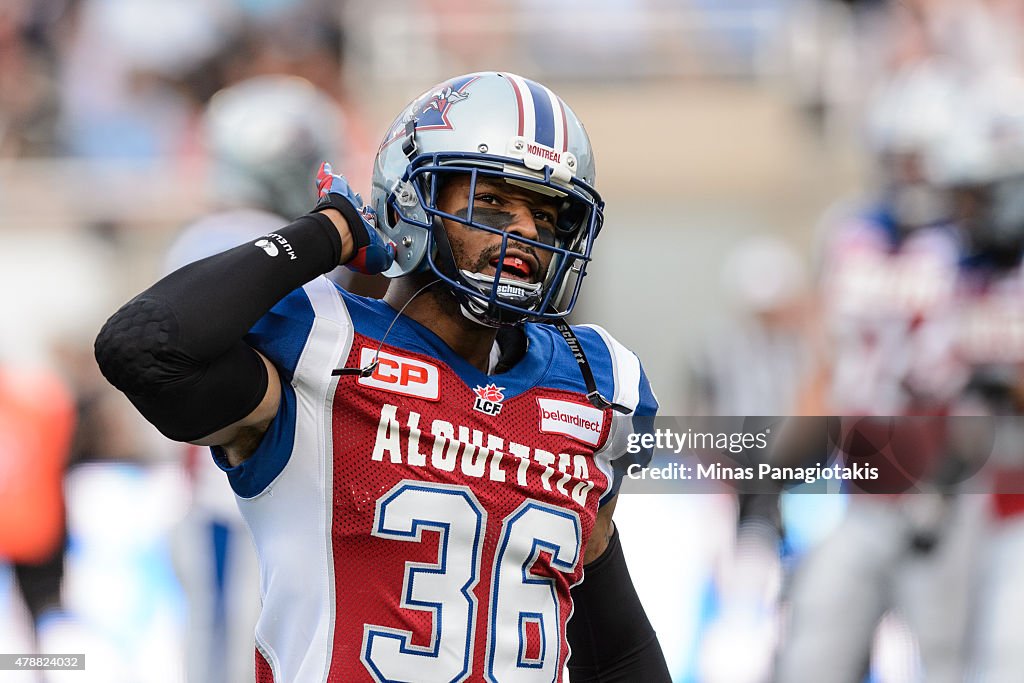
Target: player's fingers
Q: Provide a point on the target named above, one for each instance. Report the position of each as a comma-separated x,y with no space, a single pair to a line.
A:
324,176
374,258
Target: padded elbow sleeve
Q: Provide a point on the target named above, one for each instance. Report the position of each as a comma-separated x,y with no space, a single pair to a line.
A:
184,398
176,350
611,638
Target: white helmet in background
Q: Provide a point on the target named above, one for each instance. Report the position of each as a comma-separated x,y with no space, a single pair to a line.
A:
911,120
984,163
988,140
912,111
266,136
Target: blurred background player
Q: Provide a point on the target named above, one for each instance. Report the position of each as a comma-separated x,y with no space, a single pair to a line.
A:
264,137
888,273
755,360
37,420
888,264
985,167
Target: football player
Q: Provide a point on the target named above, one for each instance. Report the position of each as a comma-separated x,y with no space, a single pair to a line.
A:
889,266
37,423
425,476
990,341
888,276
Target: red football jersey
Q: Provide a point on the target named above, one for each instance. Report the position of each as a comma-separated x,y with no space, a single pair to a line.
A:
425,522
991,339
887,311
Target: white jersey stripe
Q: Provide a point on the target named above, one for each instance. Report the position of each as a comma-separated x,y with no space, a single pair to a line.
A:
626,368
299,576
626,372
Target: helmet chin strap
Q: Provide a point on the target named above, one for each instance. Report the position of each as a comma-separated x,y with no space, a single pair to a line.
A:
517,292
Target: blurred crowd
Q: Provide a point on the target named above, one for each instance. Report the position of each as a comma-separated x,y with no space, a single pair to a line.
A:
905,299
99,78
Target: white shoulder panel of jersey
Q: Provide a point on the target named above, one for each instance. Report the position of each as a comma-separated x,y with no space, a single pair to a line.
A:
626,378
291,519
626,369
330,338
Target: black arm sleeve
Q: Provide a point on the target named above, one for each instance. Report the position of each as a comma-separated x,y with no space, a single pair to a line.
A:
176,349
611,638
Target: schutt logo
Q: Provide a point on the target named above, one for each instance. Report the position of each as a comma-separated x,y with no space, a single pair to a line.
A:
488,399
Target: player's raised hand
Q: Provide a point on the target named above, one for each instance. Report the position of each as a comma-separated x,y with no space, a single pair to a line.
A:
372,251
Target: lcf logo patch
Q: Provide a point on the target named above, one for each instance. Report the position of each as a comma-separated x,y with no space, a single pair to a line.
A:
488,399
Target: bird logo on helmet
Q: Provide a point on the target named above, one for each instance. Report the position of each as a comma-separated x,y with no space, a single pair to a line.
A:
488,127
430,110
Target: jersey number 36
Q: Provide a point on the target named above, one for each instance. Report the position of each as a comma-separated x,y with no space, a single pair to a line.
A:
520,601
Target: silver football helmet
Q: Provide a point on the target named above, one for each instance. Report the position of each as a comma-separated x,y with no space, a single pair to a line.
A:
910,122
266,136
489,125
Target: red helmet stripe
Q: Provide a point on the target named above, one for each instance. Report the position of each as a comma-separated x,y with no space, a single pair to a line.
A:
525,107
